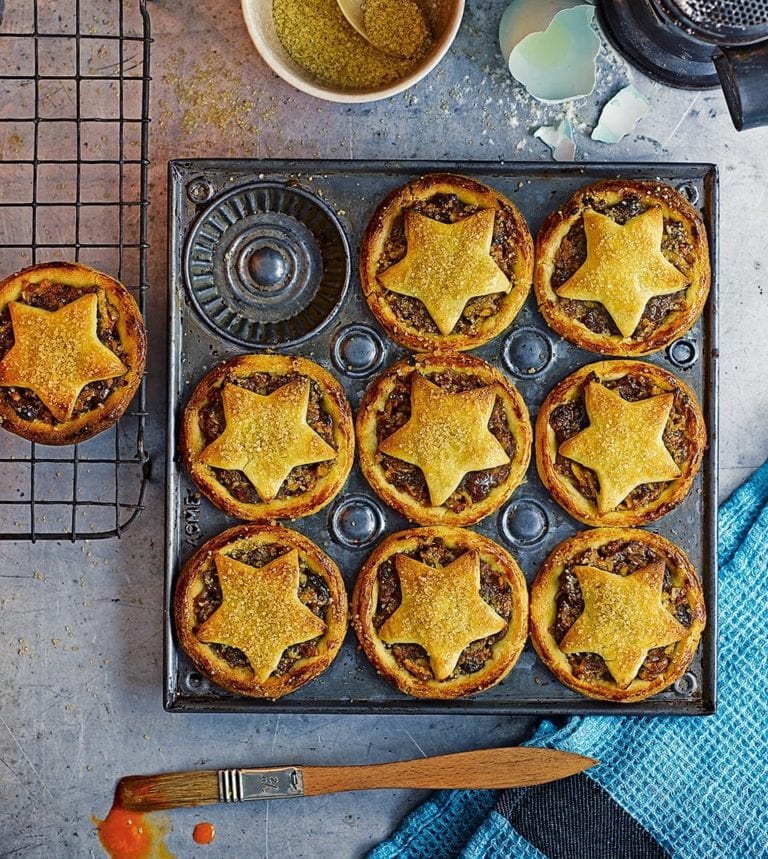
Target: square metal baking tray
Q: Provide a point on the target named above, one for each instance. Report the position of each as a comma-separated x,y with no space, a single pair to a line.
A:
204,197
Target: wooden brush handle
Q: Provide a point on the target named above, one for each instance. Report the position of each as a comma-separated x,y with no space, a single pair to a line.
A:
486,768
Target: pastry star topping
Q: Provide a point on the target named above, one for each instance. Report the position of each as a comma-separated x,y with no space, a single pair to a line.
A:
446,436
446,265
441,610
260,612
266,436
624,267
623,443
56,353
623,619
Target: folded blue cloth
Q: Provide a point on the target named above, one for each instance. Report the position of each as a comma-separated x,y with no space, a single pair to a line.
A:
685,787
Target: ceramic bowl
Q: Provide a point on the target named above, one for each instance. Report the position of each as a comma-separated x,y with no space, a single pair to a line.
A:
258,20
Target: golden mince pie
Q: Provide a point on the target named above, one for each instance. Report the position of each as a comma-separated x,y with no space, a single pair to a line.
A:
268,437
617,613
619,442
72,352
446,263
440,612
623,267
443,438
260,610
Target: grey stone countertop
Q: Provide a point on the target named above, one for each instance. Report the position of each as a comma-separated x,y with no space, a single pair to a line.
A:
81,624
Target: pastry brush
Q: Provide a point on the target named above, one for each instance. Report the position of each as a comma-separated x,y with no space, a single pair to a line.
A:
485,768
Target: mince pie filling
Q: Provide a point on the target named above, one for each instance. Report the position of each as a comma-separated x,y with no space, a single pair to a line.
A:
413,658
475,486
571,418
448,209
621,557
313,593
302,478
50,296
572,254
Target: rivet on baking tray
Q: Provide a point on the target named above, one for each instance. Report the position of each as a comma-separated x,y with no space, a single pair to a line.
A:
356,521
689,191
683,353
357,350
199,191
524,522
527,352
686,685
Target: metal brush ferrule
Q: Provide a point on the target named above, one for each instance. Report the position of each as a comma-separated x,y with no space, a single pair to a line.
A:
241,785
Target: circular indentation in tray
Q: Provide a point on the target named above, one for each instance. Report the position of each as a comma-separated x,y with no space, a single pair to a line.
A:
686,685
357,350
524,522
267,265
683,353
689,191
527,352
356,521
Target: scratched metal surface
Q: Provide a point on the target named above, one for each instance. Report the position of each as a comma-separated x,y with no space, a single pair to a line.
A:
528,352
81,626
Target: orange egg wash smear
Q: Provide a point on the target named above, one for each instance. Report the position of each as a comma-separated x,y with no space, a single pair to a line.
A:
132,835
203,833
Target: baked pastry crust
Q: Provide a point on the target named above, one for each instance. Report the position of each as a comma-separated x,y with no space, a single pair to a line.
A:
650,620
675,247
431,234
72,352
431,598
268,437
444,439
652,439
287,597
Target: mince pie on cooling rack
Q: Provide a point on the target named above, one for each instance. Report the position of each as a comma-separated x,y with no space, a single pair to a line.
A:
617,613
72,352
619,442
268,437
441,612
260,610
446,263
443,438
622,268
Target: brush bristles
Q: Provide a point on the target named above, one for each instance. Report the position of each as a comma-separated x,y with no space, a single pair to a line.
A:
167,790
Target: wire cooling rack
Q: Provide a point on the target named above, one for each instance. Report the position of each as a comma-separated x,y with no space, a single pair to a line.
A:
74,117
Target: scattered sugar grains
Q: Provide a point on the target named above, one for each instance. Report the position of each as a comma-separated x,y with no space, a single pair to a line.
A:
318,37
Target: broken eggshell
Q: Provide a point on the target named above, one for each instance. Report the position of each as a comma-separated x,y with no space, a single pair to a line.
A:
559,63
620,115
559,138
523,17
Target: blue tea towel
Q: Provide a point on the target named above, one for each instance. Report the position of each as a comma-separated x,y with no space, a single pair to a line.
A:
669,786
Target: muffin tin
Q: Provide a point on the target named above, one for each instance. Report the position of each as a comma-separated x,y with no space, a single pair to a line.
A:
247,240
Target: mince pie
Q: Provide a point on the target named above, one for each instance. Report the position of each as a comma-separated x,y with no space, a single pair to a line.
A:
446,263
617,613
619,442
443,438
268,437
72,352
622,268
441,612
260,610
